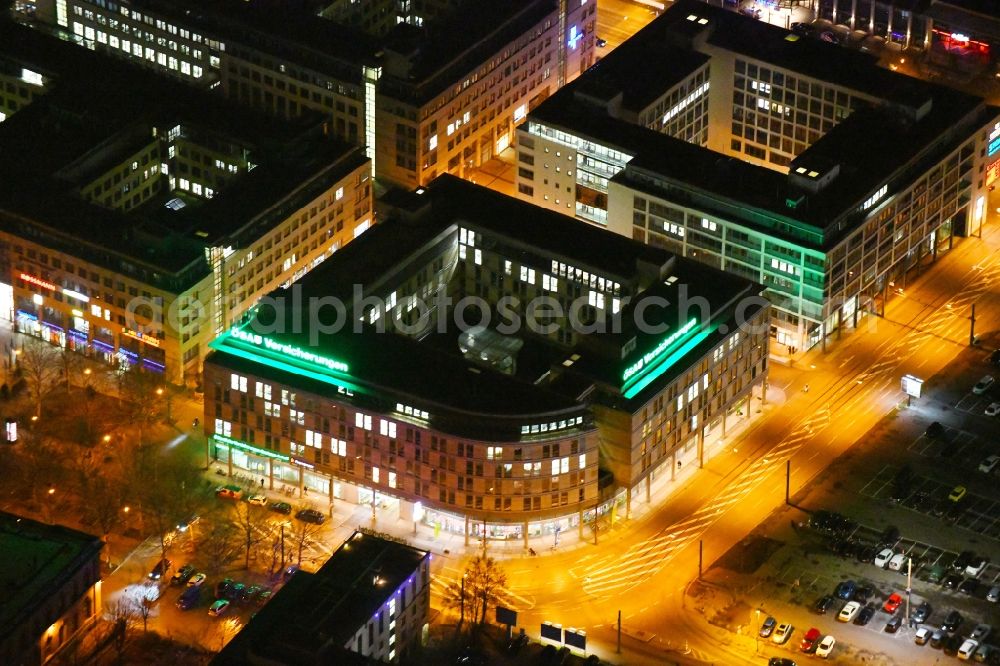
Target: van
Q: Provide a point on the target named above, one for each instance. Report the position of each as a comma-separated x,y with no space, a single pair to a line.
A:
189,598
898,562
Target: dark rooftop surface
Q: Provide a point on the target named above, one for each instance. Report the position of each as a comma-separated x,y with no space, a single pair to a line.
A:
870,146
388,367
35,561
327,607
96,104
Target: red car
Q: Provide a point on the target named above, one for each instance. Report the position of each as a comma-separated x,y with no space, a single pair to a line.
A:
892,603
810,640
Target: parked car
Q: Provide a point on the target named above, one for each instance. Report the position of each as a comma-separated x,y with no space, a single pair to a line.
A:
883,557
160,569
992,409
782,633
983,385
935,430
981,632
892,604
958,493
197,580
866,553
601,43
229,492
311,516
865,616
219,607
810,640
976,566
951,581
825,646
845,589
236,592
892,626
922,636
257,500
938,637
990,462
936,573
994,357
222,588
967,649
952,644
183,575
952,621
823,605
189,598
968,586
863,593
849,611
780,661
962,560
281,507
994,594
922,612
767,628
898,562
983,654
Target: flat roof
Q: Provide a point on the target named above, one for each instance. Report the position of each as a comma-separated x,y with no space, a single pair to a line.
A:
97,111
318,613
893,140
36,560
465,397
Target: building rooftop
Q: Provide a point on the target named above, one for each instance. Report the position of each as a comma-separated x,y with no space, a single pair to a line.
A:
872,147
36,560
314,615
96,112
469,398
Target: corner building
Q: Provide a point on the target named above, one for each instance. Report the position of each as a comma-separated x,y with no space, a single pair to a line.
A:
472,420
426,87
140,218
796,163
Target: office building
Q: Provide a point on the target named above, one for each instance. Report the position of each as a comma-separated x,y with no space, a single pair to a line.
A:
428,87
585,366
140,218
368,603
790,161
51,578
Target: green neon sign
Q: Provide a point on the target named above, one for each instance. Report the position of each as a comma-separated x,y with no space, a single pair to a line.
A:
271,357
288,350
651,356
662,366
235,443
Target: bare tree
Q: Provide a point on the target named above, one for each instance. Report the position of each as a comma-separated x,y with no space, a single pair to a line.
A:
40,365
103,503
485,580
41,458
460,599
301,533
124,617
252,524
142,399
219,544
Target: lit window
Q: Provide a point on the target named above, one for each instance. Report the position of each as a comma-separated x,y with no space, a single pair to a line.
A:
375,474
340,194
432,143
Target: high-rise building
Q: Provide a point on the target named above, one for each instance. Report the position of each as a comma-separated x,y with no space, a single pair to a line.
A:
428,87
140,218
479,363
789,161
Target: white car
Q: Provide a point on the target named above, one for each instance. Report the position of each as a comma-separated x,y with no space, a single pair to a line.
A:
898,562
983,385
826,646
993,409
989,464
849,611
782,633
968,647
923,635
976,567
883,557
993,595
257,500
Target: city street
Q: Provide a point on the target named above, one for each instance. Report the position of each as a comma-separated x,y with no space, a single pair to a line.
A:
642,571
